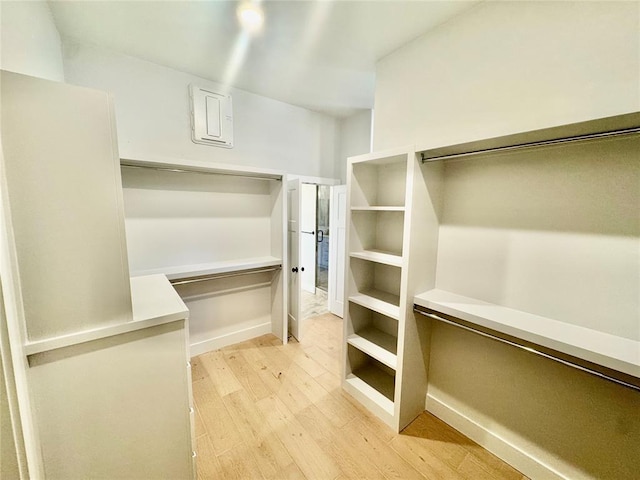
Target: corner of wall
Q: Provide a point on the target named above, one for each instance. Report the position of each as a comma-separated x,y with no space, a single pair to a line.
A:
30,40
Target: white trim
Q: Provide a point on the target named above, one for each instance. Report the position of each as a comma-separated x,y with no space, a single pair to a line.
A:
229,339
314,180
502,448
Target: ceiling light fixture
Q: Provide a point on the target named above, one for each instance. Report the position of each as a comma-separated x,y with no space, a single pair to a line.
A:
250,16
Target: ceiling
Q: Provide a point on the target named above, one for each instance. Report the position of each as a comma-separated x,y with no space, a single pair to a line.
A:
317,54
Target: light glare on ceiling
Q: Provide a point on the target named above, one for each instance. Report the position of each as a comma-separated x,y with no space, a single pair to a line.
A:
250,16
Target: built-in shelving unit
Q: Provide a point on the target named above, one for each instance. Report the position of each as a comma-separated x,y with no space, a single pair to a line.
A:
537,248
531,239
217,232
378,352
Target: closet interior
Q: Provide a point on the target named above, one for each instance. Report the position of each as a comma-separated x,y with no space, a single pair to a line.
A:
531,239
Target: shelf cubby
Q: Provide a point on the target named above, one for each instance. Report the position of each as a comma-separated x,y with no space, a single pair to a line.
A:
374,333
377,231
371,378
380,182
375,285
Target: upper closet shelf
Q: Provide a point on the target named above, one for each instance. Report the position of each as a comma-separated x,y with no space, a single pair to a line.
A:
194,166
154,302
599,348
378,209
625,124
378,256
182,272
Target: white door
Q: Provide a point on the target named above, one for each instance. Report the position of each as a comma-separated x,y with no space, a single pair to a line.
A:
337,248
293,255
308,237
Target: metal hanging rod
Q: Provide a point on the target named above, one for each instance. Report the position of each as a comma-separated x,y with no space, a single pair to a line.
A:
203,172
540,143
582,368
215,276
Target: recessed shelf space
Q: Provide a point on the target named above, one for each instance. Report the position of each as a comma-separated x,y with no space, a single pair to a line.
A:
375,286
374,334
377,231
379,183
199,221
371,378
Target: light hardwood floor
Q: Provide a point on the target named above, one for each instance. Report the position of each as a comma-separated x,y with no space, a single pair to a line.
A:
264,410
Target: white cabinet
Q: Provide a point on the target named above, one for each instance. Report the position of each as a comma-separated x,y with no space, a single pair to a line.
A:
100,362
118,406
217,232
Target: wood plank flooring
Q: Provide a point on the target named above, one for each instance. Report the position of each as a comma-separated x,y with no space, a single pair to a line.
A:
268,411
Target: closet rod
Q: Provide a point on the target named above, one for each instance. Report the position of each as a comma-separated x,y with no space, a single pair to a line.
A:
604,376
540,143
215,276
203,172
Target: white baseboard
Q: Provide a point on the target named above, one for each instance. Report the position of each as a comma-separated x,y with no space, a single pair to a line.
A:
502,448
238,336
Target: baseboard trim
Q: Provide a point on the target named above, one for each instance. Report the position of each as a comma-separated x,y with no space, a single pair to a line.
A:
238,336
510,453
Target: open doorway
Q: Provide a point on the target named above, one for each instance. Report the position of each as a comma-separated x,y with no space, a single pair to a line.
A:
315,234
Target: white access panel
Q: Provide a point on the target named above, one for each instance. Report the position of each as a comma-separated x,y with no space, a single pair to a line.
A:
211,117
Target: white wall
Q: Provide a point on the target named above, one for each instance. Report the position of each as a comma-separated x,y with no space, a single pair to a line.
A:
355,139
152,115
30,42
505,67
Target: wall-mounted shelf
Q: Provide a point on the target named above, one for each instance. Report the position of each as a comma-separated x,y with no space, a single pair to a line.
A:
599,348
194,166
600,128
181,272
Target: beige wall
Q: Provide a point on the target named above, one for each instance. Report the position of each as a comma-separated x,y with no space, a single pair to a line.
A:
505,67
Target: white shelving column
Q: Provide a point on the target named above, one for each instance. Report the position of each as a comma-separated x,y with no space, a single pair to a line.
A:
384,366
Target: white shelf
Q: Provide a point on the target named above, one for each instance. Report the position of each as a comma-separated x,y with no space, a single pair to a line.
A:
618,353
378,208
154,302
374,385
178,165
376,344
212,268
378,301
379,256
